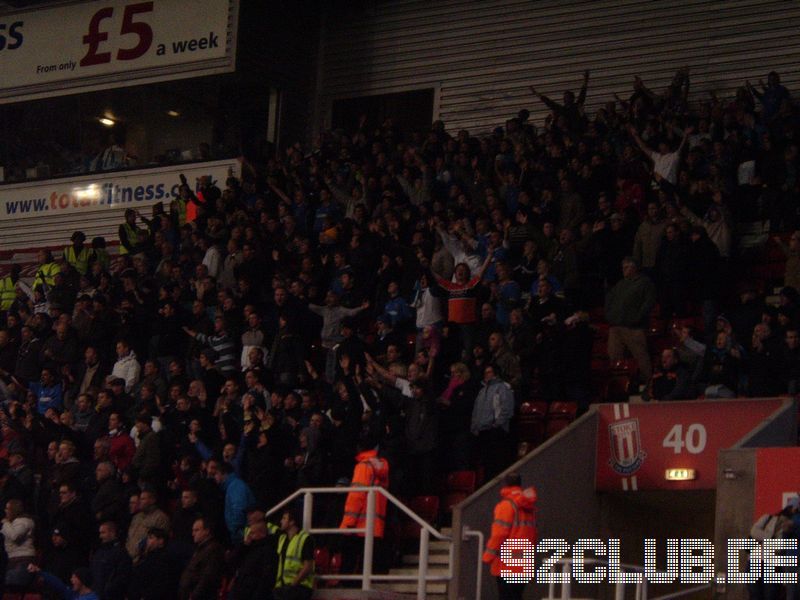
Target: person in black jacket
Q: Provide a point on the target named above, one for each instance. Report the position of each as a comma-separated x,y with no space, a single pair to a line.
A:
256,564
455,414
110,565
108,504
74,520
155,576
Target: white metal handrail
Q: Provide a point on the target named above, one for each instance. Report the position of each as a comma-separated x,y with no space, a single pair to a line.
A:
366,577
479,570
619,586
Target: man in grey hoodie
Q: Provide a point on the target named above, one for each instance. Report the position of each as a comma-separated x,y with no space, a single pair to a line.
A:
491,420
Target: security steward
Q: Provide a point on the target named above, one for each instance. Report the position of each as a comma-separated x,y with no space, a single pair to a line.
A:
8,288
514,518
295,580
45,277
77,255
129,234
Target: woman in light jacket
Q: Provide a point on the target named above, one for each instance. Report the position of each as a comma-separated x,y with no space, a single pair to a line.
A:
18,530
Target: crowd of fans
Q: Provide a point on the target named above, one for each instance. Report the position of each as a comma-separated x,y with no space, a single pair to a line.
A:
412,288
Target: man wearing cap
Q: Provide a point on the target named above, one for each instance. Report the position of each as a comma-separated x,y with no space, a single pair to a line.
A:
154,576
627,310
77,255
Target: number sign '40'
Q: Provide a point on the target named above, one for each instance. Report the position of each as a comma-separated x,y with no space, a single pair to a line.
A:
638,443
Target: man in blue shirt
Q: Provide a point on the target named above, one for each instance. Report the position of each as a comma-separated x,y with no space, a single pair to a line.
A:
48,391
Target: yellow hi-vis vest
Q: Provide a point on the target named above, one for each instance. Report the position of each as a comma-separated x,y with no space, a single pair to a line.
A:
133,237
46,275
292,563
79,261
8,293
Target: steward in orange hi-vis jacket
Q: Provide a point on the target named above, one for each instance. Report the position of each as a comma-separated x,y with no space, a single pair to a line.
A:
371,470
514,518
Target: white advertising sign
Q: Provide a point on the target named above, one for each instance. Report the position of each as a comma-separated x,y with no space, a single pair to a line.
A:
113,43
41,214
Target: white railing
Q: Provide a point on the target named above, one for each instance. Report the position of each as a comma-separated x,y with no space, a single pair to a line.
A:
619,586
367,577
479,570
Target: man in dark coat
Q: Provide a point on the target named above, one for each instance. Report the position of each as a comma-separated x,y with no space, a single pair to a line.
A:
257,564
109,502
110,565
201,578
154,576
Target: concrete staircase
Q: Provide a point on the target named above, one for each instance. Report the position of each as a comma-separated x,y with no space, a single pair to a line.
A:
438,564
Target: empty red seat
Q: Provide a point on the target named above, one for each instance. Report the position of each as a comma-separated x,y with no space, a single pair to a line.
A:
461,481
533,407
334,568
427,507
563,409
556,425
322,560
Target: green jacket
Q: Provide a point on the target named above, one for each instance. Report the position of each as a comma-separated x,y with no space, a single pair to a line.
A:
629,302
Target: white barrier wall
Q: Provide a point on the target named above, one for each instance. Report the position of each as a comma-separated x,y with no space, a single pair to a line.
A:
45,213
481,55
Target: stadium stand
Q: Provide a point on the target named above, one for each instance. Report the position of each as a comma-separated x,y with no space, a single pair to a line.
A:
448,295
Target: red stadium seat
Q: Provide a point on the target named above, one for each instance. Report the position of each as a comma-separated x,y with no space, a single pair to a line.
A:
322,560
531,422
461,481
533,407
555,426
427,507
563,409
334,569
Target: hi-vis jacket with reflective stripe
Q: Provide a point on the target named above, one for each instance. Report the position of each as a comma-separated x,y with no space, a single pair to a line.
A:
370,471
292,562
8,292
79,260
514,518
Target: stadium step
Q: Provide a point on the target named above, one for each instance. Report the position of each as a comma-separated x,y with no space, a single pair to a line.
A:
435,559
434,587
432,570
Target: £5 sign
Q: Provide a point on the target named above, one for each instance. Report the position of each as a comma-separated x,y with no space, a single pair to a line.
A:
116,42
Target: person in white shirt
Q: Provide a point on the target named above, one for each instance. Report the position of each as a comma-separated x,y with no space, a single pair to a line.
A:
665,163
126,367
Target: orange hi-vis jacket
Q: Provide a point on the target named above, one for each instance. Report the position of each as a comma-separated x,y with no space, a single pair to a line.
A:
370,471
514,518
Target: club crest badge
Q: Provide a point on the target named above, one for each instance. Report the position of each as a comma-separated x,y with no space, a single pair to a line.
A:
627,455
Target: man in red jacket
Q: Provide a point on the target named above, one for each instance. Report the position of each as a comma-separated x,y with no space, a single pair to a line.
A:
514,518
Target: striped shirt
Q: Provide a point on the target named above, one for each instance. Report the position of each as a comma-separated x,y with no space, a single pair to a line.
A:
225,348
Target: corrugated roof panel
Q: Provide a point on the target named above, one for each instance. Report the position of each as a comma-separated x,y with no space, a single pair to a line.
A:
485,54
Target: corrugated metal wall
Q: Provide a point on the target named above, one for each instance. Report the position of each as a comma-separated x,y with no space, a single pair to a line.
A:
484,54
